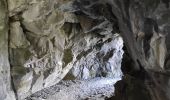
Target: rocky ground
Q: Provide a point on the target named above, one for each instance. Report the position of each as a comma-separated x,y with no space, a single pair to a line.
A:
91,89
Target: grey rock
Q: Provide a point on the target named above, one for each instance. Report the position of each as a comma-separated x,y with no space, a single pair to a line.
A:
143,26
96,88
6,92
52,43
43,42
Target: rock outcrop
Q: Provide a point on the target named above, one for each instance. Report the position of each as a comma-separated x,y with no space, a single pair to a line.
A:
49,42
144,26
43,42
6,92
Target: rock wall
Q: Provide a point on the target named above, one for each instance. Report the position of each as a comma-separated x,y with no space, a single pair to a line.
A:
49,42
6,92
144,26
46,41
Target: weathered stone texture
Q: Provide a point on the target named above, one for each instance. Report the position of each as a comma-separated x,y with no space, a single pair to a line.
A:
45,41
6,92
52,43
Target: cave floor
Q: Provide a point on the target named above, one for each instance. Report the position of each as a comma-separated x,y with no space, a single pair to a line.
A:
91,89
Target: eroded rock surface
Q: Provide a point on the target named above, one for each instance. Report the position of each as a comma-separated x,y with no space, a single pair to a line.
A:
46,41
96,88
6,92
52,43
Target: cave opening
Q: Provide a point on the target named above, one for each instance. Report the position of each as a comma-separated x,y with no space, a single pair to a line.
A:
84,50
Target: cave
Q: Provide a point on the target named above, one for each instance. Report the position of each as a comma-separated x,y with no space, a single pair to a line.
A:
84,50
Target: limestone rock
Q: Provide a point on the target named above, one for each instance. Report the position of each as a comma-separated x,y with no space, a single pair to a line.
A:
6,92
143,26
96,88
48,41
16,6
17,36
52,43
